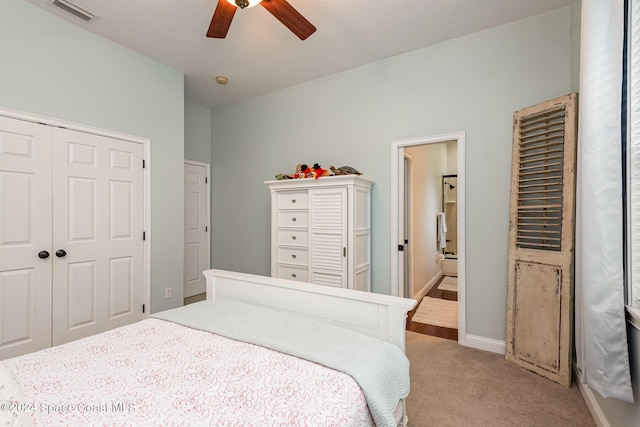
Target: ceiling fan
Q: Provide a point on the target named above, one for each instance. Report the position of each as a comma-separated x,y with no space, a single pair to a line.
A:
282,10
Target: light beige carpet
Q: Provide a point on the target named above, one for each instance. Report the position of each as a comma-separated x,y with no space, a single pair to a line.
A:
457,386
449,283
437,312
195,298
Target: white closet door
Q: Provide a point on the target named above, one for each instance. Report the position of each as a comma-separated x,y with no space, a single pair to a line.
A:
25,231
98,212
328,228
196,240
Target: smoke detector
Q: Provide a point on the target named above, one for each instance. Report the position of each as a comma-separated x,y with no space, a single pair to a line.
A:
75,10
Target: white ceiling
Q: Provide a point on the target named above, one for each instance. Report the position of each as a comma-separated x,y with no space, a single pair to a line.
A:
261,55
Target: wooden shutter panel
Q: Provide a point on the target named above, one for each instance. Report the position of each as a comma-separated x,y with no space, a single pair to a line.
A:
541,239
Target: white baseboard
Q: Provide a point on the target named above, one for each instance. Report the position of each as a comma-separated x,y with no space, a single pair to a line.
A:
591,401
486,344
427,287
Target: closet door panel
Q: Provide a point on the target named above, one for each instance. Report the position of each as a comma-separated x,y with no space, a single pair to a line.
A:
126,248
25,232
121,214
121,286
98,209
82,209
81,294
16,288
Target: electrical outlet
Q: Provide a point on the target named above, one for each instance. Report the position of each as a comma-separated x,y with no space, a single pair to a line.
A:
167,293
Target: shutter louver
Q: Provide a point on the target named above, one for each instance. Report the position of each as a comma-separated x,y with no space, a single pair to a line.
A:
540,174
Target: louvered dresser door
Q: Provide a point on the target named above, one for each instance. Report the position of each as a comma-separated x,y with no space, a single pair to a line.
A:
328,228
541,239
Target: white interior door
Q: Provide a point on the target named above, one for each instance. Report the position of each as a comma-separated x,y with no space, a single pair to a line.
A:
406,235
98,254
196,227
25,232
399,250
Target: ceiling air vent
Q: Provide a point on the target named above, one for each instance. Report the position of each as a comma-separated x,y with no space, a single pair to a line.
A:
74,9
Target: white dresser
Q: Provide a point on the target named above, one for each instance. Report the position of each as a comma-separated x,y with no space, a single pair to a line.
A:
321,230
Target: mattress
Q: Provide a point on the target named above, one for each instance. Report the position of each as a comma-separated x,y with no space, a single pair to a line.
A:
160,373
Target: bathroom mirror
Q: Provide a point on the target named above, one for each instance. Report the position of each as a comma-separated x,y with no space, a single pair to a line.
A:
450,209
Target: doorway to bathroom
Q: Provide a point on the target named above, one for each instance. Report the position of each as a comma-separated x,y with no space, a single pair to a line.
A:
428,217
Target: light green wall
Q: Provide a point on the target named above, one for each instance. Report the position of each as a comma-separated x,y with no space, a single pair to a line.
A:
53,68
197,132
472,84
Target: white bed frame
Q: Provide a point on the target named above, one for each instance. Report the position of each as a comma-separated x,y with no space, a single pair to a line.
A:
379,316
376,315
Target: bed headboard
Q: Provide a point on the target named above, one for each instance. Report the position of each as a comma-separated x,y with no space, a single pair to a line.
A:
379,316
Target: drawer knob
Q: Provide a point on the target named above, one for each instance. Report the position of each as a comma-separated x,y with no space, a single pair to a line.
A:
293,256
293,275
293,237
293,219
293,200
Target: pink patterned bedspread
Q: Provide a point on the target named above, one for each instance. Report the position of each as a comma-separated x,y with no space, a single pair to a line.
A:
160,373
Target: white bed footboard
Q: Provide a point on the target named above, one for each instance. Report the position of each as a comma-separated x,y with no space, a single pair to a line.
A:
376,315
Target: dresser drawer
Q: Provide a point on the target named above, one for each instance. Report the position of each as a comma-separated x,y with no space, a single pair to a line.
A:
292,273
293,200
292,256
292,219
292,237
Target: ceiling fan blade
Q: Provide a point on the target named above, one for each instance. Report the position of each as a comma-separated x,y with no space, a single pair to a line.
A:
290,17
221,20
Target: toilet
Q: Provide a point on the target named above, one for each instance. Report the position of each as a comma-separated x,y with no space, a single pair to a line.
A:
450,267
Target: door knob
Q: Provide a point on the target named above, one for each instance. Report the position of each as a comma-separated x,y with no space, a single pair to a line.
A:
60,253
43,254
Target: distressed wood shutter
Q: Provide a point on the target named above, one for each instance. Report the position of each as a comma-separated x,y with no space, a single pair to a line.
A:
541,239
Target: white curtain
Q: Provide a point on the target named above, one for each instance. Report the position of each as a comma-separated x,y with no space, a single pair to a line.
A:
601,338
